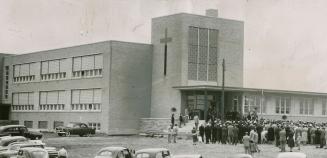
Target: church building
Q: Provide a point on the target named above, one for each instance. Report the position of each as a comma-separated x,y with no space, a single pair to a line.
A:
120,87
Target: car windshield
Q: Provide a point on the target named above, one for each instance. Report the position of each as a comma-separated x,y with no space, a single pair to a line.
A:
106,153
39,154
72,125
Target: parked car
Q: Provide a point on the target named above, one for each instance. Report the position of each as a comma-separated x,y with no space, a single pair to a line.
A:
188,156
75,128
153,153
32,153
240,156
13,149
114,152
291,155
5,141
19,130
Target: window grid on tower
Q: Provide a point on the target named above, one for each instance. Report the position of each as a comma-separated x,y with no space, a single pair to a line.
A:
202,55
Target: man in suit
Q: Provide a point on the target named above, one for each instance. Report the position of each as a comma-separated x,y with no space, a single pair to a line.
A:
201,132
207,132
282,139
322,137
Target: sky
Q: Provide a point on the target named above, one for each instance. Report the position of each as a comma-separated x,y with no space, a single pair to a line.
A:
285,41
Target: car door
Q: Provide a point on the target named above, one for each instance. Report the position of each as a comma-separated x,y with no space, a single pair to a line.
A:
84,129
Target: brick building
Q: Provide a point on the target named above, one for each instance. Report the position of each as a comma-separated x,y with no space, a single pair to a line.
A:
119,87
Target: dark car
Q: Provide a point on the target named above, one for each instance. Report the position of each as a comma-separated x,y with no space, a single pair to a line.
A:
114,152
32,153
19,130
75,128
153,153
13,149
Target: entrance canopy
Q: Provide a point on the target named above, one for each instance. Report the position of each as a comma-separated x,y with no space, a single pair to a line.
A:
205,101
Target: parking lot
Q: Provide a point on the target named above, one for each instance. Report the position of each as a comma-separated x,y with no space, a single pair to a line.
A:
86,147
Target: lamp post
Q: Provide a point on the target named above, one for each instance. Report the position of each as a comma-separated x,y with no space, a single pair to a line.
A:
223,93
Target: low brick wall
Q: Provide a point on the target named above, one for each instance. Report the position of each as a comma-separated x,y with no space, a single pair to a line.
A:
158,125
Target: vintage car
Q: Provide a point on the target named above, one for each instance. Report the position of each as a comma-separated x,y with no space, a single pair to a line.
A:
153,153
240,156
291,155
13,149
5,141
19,130
188,156
32,153
75,128
114,152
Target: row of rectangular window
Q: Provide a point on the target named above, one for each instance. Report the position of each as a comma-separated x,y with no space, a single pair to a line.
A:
60,75
44,124
52,107
22,107
24,78
87,73
86,107
53,76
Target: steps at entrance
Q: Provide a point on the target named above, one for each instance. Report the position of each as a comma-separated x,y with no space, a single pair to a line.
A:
187,129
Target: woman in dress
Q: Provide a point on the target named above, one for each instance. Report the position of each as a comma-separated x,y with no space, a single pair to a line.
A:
290,139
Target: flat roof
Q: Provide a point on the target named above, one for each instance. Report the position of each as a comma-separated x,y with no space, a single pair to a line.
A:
243,89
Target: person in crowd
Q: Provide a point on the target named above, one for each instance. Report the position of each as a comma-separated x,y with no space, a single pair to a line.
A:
169,133
246,143
214,130
196,121
62,153
313,135
181,120
235,134
282,139
322,137
194,136
304,135
224,134
207,132
264,136
201,132
254,141
290,139
175,133
172,120
230,133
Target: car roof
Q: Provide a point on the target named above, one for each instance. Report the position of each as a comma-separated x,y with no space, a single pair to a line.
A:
112,148
33,149
291,155
188,156
151,150
12,138
9,126
240,156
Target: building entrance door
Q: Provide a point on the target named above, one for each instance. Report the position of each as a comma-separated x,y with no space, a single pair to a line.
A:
200,104
4,112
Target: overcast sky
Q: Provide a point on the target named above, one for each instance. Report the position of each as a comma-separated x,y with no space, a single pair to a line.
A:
285,44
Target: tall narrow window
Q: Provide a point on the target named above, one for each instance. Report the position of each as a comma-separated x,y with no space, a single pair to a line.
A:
6,81
323,111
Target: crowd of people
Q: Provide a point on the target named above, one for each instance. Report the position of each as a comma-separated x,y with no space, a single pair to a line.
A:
252,131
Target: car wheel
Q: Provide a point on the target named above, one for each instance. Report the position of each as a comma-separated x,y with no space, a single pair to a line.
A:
81,135
60,134
89,135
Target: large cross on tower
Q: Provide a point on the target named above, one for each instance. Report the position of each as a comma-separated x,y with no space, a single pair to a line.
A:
165,41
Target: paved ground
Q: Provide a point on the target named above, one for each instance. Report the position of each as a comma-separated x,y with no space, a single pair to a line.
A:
86,147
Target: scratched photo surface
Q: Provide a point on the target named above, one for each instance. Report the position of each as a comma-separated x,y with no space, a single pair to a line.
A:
203,78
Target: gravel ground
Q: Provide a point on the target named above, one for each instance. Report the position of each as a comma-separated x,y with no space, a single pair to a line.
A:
86,147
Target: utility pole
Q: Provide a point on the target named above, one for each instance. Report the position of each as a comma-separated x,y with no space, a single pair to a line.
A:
223,94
